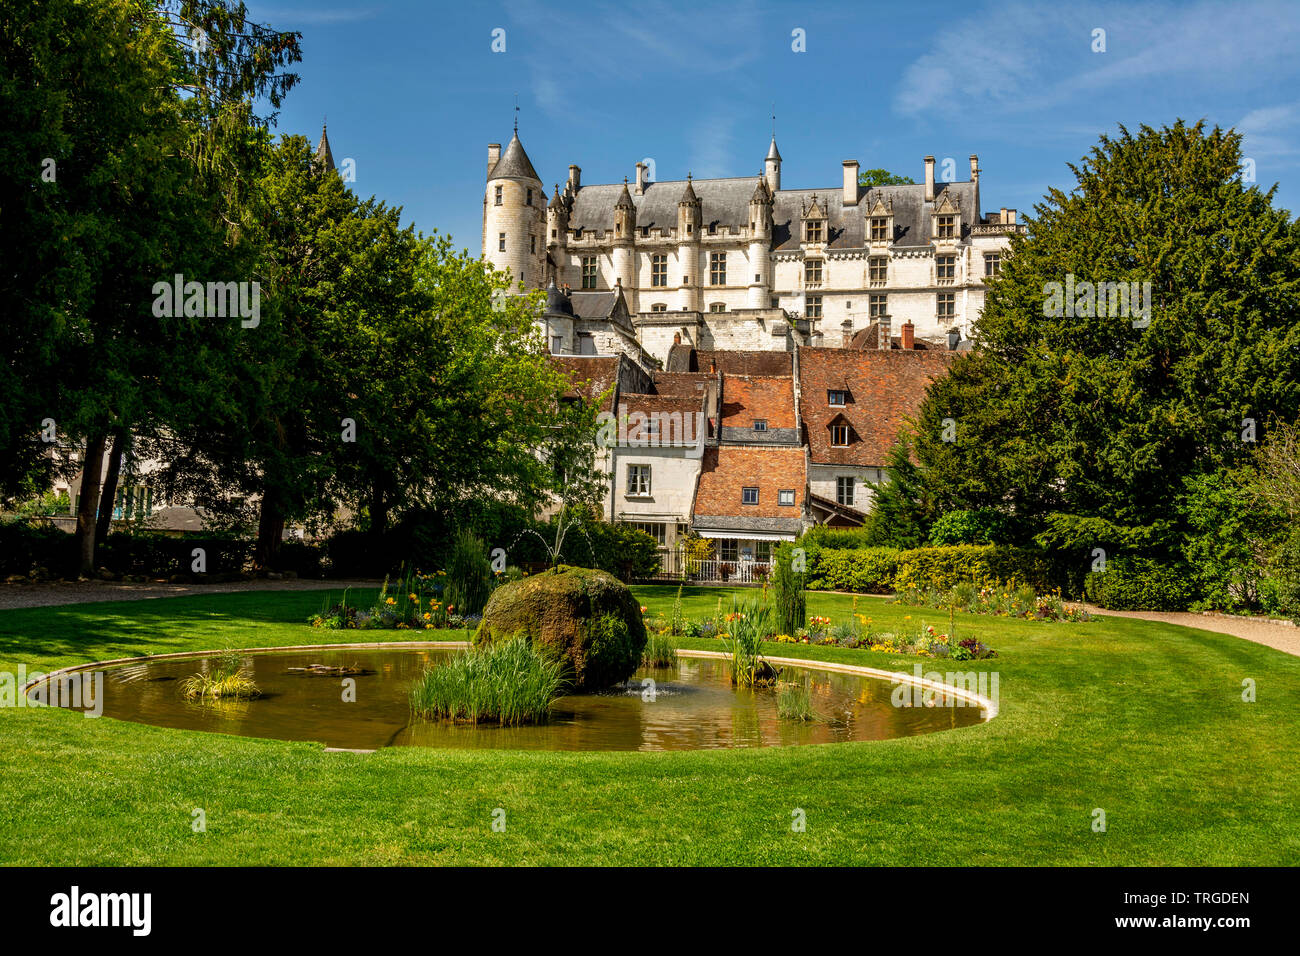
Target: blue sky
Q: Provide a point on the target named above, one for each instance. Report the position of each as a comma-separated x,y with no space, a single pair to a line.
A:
414,93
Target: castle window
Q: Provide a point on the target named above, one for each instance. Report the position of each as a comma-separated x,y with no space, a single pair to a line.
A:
645,232
498,195
713,229
814,230
836,397
717,307
717,268
993,263
879,229
659,270
557,344
689,228
946,305
877,306
659,307
947,226
812,272
878,268
501,242
589,272
945,267
814,307
532,244
844,490
840,436
749,496
529,201
586,343
555,233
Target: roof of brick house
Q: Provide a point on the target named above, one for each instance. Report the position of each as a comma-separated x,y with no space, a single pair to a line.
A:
591,375
682,384
884,388
768,399
662,419
683,358
727,470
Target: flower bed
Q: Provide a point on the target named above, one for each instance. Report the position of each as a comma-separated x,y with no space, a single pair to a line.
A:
1003,601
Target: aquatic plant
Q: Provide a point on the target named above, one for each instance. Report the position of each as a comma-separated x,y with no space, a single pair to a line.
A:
508,682
224,682
660,651
794,701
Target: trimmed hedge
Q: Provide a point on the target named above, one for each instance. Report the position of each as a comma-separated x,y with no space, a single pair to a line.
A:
984,565
1139,584
26,546
864,570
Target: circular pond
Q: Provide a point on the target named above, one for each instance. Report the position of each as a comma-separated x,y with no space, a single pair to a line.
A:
691,706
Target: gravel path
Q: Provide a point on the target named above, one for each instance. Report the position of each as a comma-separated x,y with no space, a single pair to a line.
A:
85,592
1275,634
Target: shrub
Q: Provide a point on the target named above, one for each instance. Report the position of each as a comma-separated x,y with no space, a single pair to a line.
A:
788,591
1140,584
863,570
982,526
24,546
508,682
986,565
469,574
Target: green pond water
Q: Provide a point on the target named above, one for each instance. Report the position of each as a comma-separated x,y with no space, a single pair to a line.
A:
688,707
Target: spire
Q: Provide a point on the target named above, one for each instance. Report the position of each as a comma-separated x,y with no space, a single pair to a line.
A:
761,193
514,163
556,202
689,194
625,200
323,157
772,151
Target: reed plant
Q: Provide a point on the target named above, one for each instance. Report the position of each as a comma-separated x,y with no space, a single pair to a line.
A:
506,682
794,701
660,651
227,681
747,624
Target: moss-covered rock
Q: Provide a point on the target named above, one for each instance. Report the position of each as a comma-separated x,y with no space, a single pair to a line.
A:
589,618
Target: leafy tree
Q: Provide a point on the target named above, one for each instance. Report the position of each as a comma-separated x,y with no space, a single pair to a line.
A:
883,177
1090,421
902,510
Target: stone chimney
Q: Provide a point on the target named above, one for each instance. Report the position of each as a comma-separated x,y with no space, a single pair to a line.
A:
1012,214
641,169
885,333
494,153
575,177
1002,216
974,168
846,339
929,179
677,338
909,335
954,338
850,182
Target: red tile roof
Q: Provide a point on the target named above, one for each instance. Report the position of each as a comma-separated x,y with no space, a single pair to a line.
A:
680,420
746,398
682,384
727,469
590,375
884,387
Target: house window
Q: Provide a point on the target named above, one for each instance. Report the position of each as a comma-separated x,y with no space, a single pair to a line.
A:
659,271
840,436
812,272
945,267
879,229
877,306
947,227
763,552
717,268
993,263
586,343
638,480
946,305
557,344
844,491
837,397
749,496
785,497
728,549
814,307
498,196
659,307
656,530
501,242
814,230
877,268
760,424
529,201
589,272
717,307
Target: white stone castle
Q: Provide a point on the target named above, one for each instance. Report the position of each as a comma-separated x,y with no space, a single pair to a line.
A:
741,263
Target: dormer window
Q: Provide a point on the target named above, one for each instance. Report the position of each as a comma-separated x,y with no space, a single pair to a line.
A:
879,229
946,227
838,398
840,436
814,230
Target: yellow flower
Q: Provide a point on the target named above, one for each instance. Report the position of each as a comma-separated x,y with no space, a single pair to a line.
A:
390,601
414,598
427,615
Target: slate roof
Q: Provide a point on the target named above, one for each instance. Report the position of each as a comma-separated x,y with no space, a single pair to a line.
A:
593,305
885,387
725,204
514,164
323,154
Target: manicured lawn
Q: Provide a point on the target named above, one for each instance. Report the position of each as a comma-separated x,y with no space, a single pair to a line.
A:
1142,720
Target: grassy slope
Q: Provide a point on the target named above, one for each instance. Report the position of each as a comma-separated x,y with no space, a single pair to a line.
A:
1143,720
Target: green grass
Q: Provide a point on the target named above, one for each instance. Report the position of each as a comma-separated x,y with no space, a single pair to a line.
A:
504,682
1143,720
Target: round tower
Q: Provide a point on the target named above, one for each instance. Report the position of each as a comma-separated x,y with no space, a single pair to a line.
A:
760,245
624,258
772,167
688,247
514,219
557,231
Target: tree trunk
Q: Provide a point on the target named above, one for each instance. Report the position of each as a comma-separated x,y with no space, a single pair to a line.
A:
88,507
270,529
109,494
